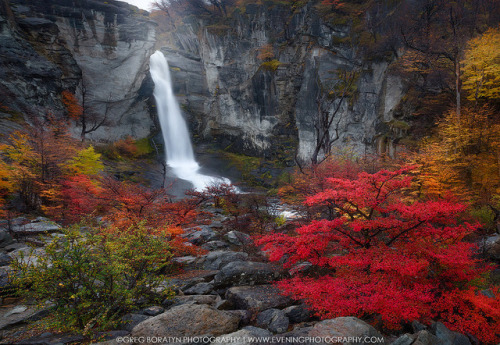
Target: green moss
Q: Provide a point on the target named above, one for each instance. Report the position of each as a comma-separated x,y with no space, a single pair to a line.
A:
176,69
12,115
245,164
399,124
144,147
271,65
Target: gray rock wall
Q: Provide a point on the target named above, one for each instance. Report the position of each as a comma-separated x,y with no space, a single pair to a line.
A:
97,50
230,95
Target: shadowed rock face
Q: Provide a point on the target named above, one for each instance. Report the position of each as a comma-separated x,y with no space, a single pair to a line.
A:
97,50
100,51
257,107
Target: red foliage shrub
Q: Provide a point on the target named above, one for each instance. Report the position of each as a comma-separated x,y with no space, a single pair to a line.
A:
389,257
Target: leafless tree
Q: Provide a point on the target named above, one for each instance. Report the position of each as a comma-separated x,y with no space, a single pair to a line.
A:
329,103
92,119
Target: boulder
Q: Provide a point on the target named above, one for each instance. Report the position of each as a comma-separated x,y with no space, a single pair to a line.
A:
238,238
257,298
20,314
5,259
297,313
448,337
153,310
215,245
199,289
297,336
242,337
200,234
194,299
186,321
273,320
129,321
35,228
492,247
426,338
218,259
185,260
247,273
5,238
347,330
405,339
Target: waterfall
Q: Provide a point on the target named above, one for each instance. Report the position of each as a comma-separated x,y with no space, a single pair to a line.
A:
178,148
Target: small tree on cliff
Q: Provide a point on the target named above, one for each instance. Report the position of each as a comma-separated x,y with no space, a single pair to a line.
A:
85,116
390,258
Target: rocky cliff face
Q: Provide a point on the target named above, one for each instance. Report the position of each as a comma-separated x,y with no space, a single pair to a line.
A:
253,105
97,50
245,102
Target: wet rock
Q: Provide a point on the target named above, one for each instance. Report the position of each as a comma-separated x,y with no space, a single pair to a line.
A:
185,260
218,259
448,337
303,267
34,228
188,320
223,304
245,315
200,234
417,326
405,339
216,225
257,298
4,278
297,313
247,273
129,321
238,238
492,247
273,320
153,310
10,317
215,245
5,238
200,289
426,338
5,259
193,299
352,331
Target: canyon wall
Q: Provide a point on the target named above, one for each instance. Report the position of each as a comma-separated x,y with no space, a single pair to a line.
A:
256,82
97,50
273,105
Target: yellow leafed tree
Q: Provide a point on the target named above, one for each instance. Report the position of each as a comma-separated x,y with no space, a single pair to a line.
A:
481,66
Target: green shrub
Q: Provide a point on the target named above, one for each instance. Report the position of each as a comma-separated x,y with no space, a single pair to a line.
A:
92,278
280,220
271,65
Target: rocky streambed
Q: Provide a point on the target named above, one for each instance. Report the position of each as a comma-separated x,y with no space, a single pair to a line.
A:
225,296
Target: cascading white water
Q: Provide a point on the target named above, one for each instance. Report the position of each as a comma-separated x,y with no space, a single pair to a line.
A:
179,151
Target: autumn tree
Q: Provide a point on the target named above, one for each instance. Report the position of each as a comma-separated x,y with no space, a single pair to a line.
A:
435,33
388,257
481,66
463,157
86,116
39,158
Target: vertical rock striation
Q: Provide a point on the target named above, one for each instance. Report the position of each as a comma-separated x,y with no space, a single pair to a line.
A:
97,50
267,107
